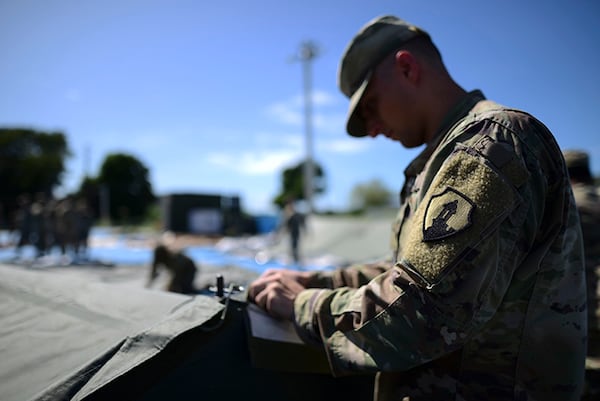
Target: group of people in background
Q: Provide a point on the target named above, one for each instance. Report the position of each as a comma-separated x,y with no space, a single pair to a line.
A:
48,223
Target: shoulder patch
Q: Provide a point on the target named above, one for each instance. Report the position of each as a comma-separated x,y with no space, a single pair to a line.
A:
447,214
466,197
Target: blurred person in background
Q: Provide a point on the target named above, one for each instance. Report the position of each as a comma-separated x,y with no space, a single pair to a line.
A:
588,205
293,222
181,268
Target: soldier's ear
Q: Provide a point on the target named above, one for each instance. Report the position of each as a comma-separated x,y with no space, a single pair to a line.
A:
407,65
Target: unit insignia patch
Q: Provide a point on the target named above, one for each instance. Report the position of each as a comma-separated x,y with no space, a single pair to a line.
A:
447,214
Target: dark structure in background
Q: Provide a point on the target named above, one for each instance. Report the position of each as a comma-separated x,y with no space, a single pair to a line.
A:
205,214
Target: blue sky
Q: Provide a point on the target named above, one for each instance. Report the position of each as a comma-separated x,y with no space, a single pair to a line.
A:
205,93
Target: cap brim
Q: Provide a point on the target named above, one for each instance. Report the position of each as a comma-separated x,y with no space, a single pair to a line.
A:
356,125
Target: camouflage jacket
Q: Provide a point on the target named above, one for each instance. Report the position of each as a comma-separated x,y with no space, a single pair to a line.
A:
588,205
485,295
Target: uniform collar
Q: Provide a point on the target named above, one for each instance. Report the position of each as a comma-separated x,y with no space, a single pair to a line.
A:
460,110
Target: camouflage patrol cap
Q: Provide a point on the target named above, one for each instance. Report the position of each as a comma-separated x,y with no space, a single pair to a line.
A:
576,158
372,43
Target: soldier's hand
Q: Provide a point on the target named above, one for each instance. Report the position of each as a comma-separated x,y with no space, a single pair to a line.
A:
276,290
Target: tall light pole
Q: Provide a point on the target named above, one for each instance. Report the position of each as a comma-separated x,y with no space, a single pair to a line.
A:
308,52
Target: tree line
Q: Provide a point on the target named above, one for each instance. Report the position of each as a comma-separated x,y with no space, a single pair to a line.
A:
33,162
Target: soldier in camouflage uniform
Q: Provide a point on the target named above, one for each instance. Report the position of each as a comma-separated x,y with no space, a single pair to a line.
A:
294,224
484,296
181,268
588,205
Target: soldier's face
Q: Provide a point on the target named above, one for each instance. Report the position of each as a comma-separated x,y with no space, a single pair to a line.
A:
388,105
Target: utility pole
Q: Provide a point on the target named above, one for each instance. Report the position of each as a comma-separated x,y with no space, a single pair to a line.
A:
308,52
86,161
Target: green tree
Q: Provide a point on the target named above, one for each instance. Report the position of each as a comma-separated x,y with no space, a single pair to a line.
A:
292,183
89,190
371,194
30,162
130,194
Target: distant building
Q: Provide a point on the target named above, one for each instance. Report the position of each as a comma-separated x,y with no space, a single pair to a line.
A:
204,214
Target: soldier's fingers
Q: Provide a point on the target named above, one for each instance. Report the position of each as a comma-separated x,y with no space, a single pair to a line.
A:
262,297
292,284
258,286
258,299
254,288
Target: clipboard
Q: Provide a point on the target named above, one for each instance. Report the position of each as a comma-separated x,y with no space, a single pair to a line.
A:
275,345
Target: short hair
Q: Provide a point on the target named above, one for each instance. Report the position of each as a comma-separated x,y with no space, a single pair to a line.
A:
424,48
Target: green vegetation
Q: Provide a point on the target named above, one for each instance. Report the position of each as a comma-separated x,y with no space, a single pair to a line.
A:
372,194
130,194
292,183
31,162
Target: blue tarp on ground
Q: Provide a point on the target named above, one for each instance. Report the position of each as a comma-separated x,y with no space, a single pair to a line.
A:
116,249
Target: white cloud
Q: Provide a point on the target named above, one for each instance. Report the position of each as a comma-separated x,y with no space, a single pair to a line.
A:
323,98
320,98
331,123
257,163
350,145
291,111
286,113
294,141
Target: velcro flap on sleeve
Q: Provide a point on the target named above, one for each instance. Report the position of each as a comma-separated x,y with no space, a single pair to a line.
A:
465,202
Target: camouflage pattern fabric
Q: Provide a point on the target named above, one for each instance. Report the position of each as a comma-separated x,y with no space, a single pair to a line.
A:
485,296
353,276
588,204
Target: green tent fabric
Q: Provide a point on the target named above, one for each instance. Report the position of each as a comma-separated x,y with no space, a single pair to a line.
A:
51,324
200,364
68,339
135,352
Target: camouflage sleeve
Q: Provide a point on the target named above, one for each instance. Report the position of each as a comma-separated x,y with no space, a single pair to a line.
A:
352,276
449,280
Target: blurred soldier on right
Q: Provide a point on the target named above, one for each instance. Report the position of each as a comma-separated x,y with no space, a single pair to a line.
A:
588,204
